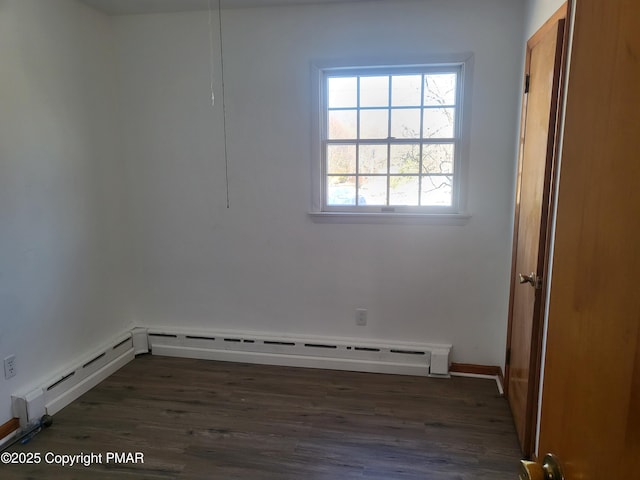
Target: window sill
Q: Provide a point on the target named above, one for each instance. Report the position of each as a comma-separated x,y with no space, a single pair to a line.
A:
456,219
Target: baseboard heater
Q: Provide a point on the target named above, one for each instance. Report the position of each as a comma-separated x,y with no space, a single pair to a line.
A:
54,394
313,352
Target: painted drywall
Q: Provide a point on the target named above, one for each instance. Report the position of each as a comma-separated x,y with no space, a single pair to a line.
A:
61,189
262,265
128,7
539,11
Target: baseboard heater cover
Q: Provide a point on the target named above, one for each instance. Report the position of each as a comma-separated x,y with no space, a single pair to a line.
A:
53,395
317,352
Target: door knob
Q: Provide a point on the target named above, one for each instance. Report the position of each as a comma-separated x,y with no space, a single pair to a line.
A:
549,470
532,278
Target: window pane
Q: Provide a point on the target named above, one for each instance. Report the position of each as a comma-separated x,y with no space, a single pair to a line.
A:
341,159
374,91
405,123
405,158
342,92
374,123
437,190
438,123
437,158
373,159
440,89
406,90
390,136
341,190
361,198
374,190
343,124
403,190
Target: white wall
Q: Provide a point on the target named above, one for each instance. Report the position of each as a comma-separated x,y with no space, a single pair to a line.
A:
61,191
263,265
538,12
67,90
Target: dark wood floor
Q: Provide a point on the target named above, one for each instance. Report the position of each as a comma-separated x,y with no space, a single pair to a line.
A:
195,419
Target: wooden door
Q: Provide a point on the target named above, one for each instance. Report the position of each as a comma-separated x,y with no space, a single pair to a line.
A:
590,414
531,232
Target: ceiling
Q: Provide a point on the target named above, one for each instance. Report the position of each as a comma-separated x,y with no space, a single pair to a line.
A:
126,7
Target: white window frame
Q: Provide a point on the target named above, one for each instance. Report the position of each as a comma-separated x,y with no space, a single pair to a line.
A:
454,214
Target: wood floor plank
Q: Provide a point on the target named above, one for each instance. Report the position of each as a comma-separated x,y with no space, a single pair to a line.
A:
196,419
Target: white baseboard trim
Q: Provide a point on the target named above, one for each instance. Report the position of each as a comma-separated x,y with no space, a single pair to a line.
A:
311,352
53,395
479,375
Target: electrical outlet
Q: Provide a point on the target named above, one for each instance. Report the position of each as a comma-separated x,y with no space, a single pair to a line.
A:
361,316
10,366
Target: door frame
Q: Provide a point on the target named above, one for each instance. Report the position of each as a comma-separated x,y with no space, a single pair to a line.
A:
546,222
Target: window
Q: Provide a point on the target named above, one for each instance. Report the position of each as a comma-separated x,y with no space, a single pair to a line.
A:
390,139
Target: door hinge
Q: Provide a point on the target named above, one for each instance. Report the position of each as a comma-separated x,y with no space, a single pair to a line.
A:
508,359
527,80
